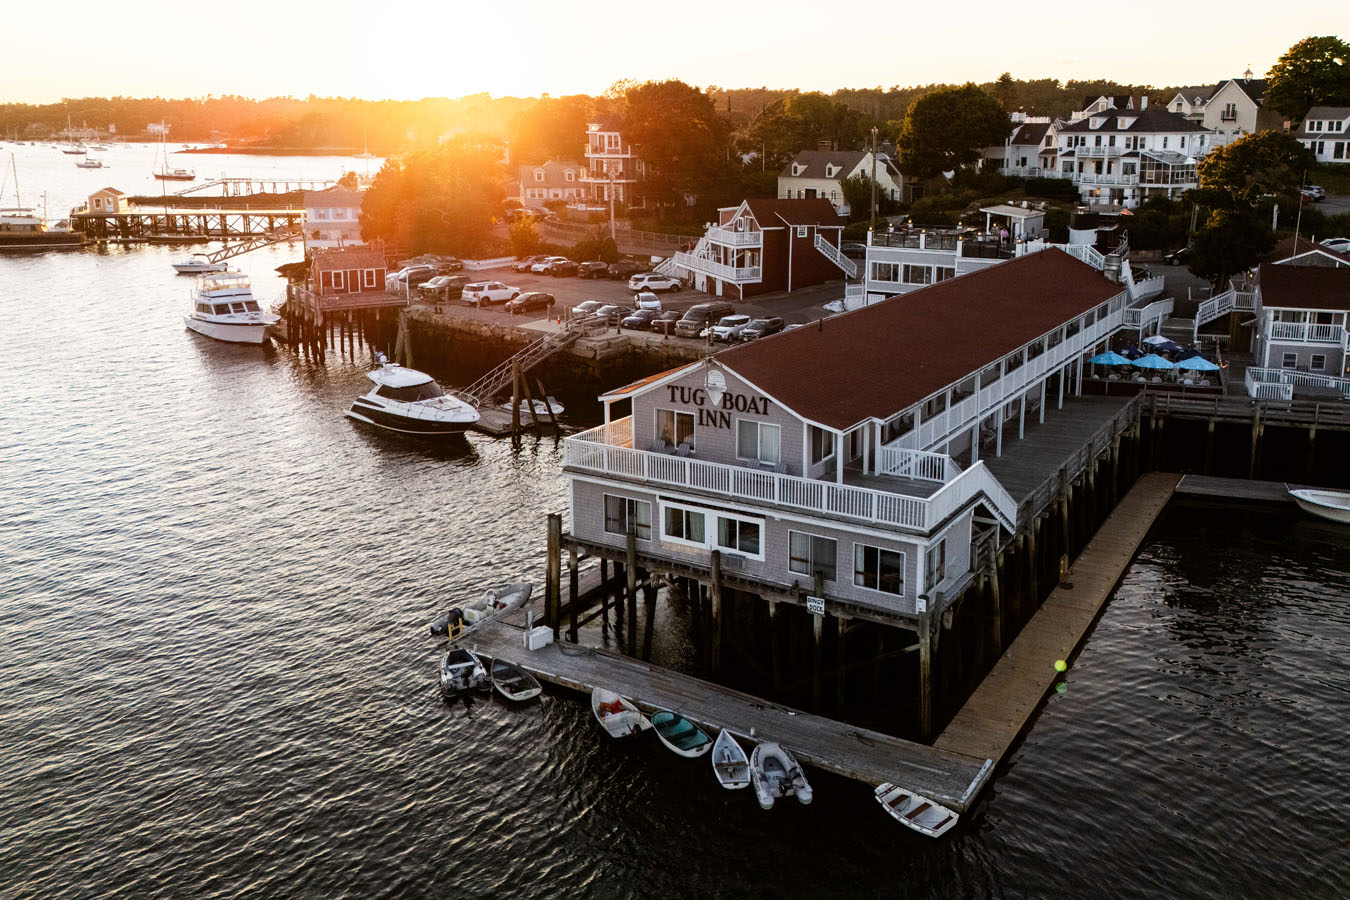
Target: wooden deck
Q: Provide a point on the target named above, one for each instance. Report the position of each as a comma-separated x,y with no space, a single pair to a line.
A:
951,778
1001,706
1029,468
1236,489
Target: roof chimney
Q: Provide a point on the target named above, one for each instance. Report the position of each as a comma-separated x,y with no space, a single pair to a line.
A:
824,146
1247,75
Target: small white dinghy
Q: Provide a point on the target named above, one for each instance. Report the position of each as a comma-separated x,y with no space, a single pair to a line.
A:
775,774
914,811
496,602
729,762
681,736
1333,505
513,682
619,717
548,406
462,670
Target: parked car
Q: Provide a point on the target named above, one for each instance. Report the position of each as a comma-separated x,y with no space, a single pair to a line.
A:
623,269
529,300
483,293
586,307
412,276
443,286
542,267
596,268
1338,244
728,328
650,281
523,265
853,250
611,314
665,321
449,264
647,300
640,319
1313,192
1177,257
701,315
561,268
759,328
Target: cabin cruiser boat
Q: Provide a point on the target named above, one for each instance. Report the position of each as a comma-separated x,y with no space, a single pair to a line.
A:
24,229
198,264
411,402
223,308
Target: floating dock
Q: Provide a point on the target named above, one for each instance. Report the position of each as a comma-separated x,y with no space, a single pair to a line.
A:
1236,489
1001,706
951,778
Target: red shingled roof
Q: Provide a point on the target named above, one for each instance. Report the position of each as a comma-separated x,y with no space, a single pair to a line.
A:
875,361
1305,287
813,211
358,257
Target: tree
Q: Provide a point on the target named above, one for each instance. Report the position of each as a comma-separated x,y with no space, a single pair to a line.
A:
858,196
551,129
1268,162
1313,72
1229,242
1004,87
682,141
524,237
947,129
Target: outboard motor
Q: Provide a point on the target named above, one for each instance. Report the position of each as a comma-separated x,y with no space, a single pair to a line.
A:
448,625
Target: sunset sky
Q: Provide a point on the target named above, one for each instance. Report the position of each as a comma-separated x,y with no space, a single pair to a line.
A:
405,50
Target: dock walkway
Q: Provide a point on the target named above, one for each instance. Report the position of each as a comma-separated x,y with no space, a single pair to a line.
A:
951,778
1001,706
1235,489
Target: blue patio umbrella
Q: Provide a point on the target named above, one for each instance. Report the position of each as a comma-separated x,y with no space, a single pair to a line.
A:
1109,358
1198,364
1153,361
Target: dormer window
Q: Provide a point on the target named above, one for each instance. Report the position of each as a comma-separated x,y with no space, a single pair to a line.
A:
538,174
569,175
829,170
1122,123
796,169
1096,122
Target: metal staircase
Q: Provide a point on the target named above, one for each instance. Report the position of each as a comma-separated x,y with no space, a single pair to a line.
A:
831,252
254,242
499,379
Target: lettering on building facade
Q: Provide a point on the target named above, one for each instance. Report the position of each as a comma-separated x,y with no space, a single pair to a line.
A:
718,417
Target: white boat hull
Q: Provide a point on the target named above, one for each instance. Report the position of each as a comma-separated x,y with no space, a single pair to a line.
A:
776,773
1331,505
231,333
730,764
619,717
915,811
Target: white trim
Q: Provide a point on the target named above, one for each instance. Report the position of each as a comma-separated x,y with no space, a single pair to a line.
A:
853,568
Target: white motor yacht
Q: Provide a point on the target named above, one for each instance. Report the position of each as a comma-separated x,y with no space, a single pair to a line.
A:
411,402
223,308
198,264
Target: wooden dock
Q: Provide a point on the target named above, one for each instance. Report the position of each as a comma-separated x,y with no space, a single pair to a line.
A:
1236,489
1002,705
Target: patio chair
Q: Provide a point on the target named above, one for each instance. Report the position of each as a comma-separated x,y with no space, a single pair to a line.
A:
1204,382
780,468
660,446
1157,379
1113,377
684,449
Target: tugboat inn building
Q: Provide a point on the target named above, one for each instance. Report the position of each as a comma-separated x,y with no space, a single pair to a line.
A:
846,458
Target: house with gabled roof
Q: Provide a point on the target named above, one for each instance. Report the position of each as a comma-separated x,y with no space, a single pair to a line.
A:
333,219
1189,102
847,457
1299,251
768,245
552,181
822,173
1030,150
1325,130
107,201
1238,106
1302,330
612,165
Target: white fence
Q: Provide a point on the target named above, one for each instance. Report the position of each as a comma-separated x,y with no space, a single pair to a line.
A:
747,275
1279,384
601,450
904,463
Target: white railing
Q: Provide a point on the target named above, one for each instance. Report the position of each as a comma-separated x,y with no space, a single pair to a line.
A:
855,295
1086,253
1244,299
604,450
747,275
1218,305
1307,332
736,238
1262,383
1149,287
900,462
1095,178
1140,317
831,252
1099,151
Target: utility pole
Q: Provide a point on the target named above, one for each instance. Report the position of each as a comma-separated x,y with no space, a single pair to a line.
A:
610,173
873,226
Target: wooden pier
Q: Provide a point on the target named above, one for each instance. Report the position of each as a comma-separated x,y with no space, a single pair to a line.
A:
1241,489
951,778
1001,706
205,224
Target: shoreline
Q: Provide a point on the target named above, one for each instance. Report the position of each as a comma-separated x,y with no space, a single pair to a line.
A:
279,151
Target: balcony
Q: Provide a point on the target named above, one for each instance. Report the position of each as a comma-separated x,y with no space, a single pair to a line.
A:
1094,178
619,176
1279,384
1099,152
735,238
730,274
1307,333
597,151
914,505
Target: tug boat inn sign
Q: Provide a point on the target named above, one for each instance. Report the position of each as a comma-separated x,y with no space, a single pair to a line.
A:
715,403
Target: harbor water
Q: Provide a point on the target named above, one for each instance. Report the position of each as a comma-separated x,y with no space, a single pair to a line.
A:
218,683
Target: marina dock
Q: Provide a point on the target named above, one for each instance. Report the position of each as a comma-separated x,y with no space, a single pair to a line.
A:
1236,489
950,777
1001,706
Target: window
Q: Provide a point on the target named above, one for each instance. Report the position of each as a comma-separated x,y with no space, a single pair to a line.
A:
942,273
675,428
936,564
336,279
758,440
801,231
1289,361
621,512
686,525
538,174
1319,362
885,271
822,443
918,275
368,279
879,570
810,553
1164,146
738,536
569,175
